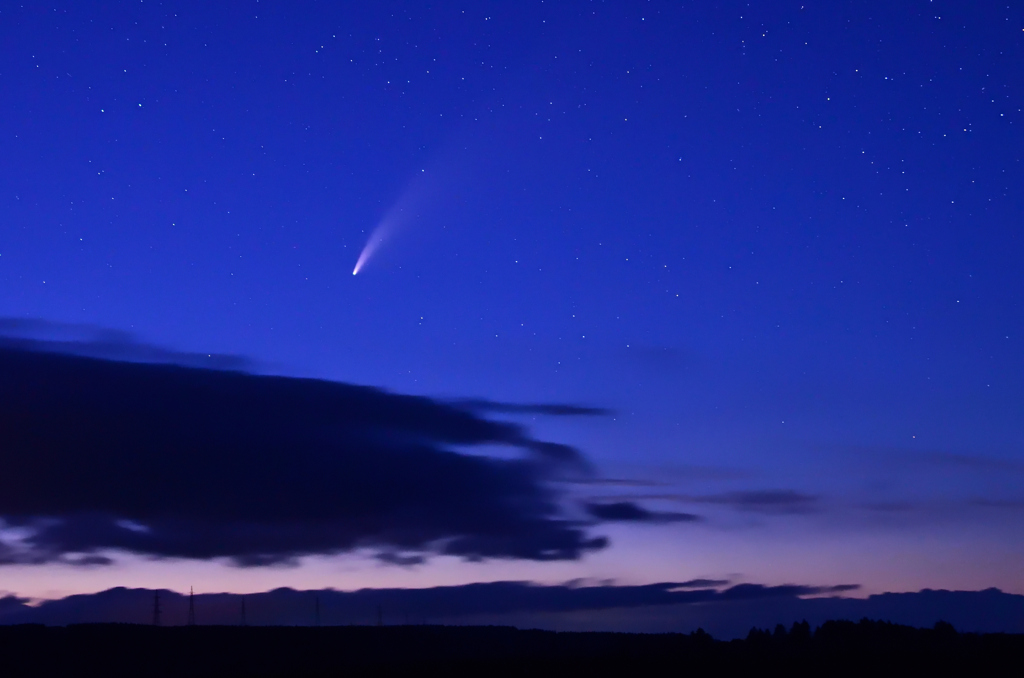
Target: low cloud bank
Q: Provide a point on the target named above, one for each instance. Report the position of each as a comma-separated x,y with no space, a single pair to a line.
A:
287,606
763,501
724,611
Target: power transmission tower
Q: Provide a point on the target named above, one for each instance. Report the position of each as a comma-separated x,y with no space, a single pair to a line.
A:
191,608
156,608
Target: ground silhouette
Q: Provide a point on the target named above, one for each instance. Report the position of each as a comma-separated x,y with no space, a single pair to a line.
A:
835,648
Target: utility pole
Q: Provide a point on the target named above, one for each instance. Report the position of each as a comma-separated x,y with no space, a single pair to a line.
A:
191,608
380,616
318,610
156,608
243,611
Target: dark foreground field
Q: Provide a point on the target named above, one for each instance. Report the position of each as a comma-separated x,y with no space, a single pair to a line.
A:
836,648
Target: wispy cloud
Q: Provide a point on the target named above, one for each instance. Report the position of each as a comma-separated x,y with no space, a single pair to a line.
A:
554,409
755,501
626,511
763,501
33,334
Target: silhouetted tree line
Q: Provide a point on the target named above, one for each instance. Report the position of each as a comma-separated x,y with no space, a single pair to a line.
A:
837,648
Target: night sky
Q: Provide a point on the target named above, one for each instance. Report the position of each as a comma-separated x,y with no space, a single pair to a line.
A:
683,290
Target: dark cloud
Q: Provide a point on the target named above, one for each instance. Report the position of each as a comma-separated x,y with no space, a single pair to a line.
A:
169,460
889,506
973,462
1012,504
627,511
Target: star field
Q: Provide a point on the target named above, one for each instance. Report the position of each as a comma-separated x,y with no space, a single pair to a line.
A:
781,243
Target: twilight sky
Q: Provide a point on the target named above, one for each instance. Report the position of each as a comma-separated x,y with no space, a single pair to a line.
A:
767,255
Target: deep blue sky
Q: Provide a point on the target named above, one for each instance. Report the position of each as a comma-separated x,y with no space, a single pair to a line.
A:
781,241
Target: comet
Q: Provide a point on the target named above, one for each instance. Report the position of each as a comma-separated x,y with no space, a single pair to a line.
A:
381,233
400,214
375,241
